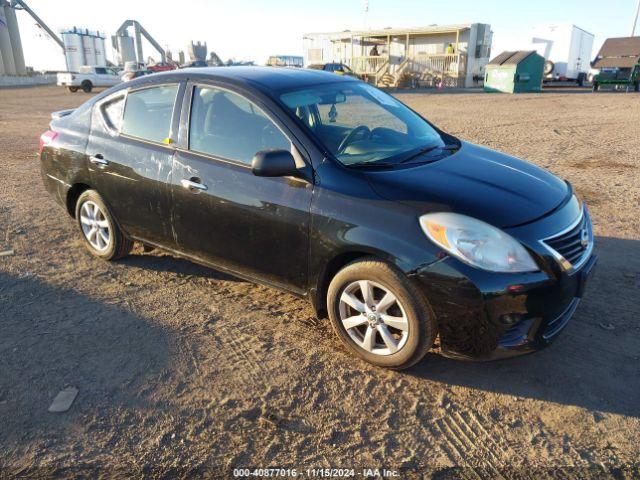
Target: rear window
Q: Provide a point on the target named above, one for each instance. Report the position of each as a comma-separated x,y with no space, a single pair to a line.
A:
148,113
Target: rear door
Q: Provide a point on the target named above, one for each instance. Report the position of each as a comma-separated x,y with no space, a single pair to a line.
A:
222,213
130,151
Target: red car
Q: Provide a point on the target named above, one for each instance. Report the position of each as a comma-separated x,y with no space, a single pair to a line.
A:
161,67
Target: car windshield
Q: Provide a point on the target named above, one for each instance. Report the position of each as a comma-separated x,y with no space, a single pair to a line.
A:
360,124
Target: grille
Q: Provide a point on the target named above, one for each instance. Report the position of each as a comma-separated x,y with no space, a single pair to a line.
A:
570,244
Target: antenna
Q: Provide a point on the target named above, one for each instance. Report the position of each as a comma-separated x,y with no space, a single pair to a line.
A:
635,21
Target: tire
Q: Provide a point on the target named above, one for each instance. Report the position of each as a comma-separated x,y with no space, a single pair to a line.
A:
581,79
73,89
117,245
636,87
595,87
87,86
409,310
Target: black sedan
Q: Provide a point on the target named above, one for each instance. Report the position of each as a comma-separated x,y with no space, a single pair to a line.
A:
335,191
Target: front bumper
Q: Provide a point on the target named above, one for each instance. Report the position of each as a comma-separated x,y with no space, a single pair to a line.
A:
486,316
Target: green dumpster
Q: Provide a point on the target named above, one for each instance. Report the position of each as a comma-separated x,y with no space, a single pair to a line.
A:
514,72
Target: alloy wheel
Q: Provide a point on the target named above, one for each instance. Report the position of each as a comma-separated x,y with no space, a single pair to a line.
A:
373,317
95,226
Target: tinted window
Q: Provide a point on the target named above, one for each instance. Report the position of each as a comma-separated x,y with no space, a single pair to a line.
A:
227,125
112,112
148,113
101,71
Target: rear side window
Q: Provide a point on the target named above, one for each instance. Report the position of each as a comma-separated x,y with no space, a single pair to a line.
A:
228,125
101,71
148,113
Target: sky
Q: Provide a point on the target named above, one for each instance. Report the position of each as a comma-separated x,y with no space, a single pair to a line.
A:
254,30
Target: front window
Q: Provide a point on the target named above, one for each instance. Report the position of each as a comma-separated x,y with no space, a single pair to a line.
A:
360,124
224,124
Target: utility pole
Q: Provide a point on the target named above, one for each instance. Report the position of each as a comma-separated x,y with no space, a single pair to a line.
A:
635,20
366,13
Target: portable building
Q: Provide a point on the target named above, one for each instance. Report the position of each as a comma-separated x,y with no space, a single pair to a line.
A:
622,52
618,63
515,72
437,55
285,61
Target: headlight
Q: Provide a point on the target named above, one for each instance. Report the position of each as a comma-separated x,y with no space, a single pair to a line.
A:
477,243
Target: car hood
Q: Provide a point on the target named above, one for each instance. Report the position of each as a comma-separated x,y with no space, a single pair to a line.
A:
476,181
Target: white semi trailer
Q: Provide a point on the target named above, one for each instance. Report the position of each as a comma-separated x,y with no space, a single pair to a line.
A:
566,50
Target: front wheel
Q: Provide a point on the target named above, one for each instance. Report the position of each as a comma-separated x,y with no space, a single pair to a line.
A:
380,315
87,86
101,234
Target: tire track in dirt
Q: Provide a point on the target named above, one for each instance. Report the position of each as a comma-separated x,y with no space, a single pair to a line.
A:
465,437
236,347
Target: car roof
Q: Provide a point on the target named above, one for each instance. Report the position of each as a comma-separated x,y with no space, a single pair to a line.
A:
267,78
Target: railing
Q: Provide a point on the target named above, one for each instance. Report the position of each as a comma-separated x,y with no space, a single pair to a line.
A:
445,63
449,68
367,65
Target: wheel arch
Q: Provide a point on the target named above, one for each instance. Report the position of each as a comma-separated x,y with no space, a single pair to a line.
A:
334,265
73,194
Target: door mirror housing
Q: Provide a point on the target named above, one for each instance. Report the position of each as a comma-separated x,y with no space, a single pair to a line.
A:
274,163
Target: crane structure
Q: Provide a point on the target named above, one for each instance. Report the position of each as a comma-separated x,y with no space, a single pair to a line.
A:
122,42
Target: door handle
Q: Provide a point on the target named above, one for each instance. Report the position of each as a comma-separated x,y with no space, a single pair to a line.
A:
193,184
99,160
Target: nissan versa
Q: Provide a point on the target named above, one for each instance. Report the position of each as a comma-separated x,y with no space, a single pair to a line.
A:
331,189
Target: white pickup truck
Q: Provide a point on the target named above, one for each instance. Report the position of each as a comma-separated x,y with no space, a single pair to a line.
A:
88,78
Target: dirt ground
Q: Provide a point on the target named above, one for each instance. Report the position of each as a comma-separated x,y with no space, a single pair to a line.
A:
182,370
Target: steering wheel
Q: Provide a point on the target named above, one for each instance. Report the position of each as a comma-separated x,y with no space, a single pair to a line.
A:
352,135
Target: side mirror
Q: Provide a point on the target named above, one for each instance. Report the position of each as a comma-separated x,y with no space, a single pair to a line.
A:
274,163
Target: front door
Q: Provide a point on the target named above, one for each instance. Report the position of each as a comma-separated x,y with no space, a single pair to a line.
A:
222,213
131,159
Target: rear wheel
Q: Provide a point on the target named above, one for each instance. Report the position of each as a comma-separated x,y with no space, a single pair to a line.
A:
100,233
380,315
73,89
87,86
595,87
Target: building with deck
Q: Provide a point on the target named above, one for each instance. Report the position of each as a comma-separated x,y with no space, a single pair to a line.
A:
437,55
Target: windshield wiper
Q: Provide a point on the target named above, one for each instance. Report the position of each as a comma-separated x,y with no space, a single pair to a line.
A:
422,151
372,164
